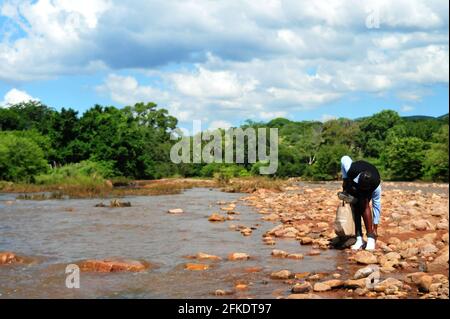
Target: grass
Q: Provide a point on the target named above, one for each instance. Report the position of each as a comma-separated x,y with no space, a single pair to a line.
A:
251,184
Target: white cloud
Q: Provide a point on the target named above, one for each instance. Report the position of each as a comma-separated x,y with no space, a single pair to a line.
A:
15,96
272,115
231,60
406,108
219,124
127,91
213,84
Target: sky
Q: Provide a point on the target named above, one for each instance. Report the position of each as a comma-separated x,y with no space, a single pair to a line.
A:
223,62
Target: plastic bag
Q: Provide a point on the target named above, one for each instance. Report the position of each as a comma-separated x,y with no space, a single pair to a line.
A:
344,225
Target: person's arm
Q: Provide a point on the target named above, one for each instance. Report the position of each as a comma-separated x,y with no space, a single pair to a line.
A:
376,205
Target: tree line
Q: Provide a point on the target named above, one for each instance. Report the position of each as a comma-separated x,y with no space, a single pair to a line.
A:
134,142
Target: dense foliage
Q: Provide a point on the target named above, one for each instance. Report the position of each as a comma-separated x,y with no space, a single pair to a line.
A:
36,142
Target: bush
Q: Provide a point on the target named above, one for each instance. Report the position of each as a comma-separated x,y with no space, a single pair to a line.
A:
20,158
85,172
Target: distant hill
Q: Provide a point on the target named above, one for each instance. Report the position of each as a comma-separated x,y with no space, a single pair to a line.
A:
425,117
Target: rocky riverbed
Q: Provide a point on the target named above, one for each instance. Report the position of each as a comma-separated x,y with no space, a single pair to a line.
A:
204,243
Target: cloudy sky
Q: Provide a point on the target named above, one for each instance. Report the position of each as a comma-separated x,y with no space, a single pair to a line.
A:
226,61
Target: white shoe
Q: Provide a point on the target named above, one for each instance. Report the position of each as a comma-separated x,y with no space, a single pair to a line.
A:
370,244
359,243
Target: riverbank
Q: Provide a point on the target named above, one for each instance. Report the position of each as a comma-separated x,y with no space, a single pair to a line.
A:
412,249
110,189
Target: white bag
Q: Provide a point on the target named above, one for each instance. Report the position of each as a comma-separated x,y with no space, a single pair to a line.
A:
344,225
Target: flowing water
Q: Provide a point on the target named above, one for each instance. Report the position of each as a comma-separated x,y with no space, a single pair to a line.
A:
56,233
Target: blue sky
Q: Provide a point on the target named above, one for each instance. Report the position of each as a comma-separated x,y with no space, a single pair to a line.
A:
226,61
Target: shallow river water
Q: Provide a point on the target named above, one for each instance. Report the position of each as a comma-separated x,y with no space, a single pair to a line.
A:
59,232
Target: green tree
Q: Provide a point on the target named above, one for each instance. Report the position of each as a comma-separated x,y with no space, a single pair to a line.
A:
403,158
20,158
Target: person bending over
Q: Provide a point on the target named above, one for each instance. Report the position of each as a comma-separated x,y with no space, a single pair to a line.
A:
362,180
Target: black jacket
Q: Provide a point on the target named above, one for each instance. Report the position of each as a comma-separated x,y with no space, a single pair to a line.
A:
355,169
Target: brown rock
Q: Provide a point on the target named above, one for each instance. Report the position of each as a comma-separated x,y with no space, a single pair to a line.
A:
414,278
365,257
113,265
301,288
314,252
238,256
320,287
282,274
333,283
202,256
216,218
191,266
421,224
295,256
306,240
7,257
424,283
355,283
279,253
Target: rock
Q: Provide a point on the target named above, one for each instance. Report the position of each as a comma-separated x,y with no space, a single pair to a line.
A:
391,259
320,287
424,283
306,240
355,283
220,292
113,265
295,256
7,258
421,224
302,275
288,232
301,288
192,266
322,225
445,238
282,274
409,252
117,203
388,284
238,256
175,211
414,278
202,256
440,263
333,283
279,253
303,296
270,217
442,226
428,249
365,257
364,272
314,252
216,218
246,231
